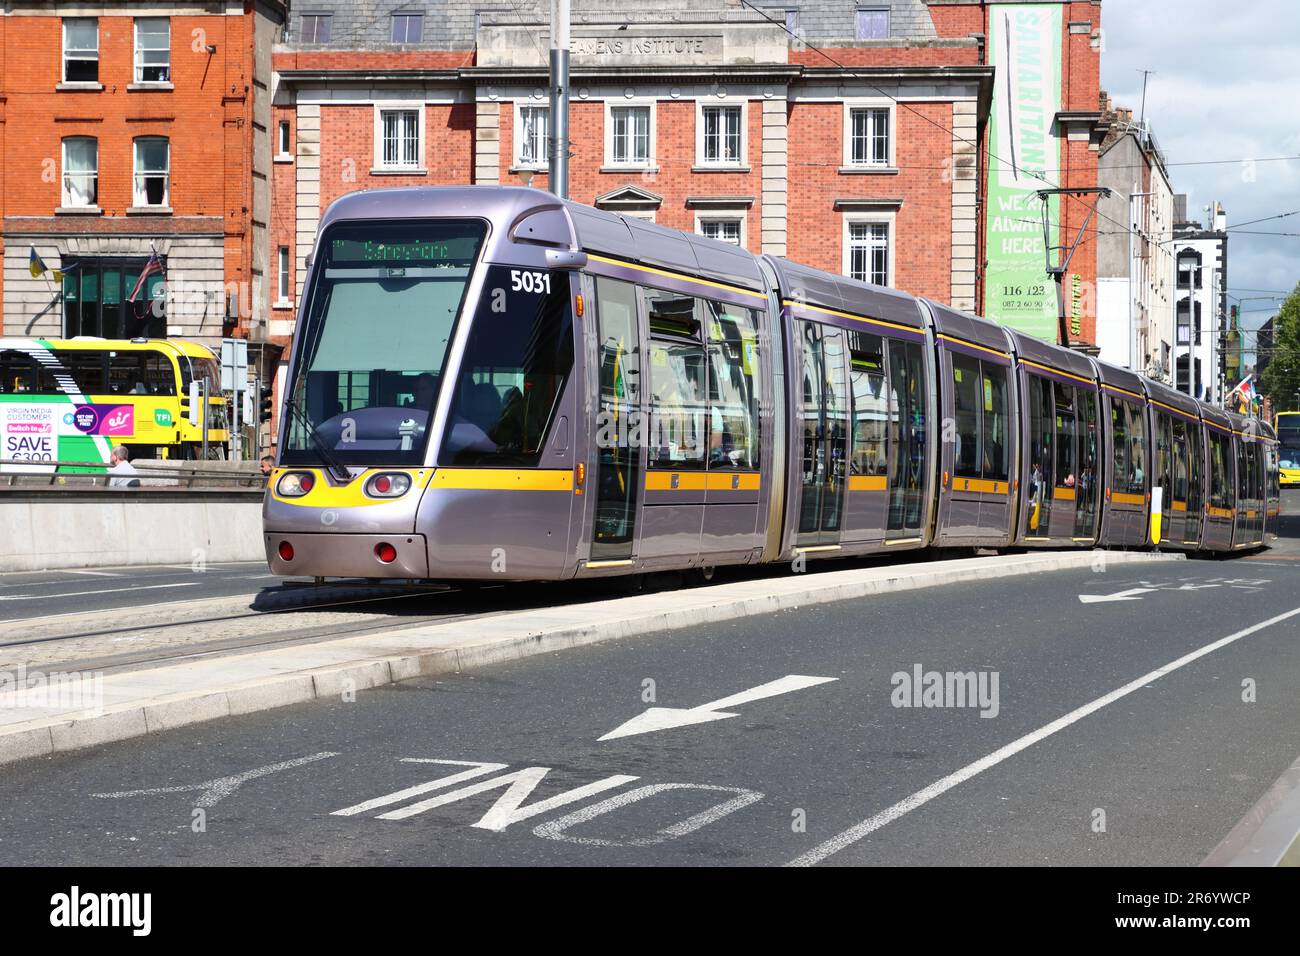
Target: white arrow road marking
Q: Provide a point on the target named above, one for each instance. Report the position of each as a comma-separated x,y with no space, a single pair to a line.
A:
943,785
665,718
1132,594
218,788
47,597
1196,587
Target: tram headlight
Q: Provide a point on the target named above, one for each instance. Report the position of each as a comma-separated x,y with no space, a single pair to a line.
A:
388,485
295,484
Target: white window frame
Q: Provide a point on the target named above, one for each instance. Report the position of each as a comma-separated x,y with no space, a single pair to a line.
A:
282,265
139,65
740,161
740,217
137,191
888,218
646,215
610,105
393,106
65,198
870,104
517,159
64,28
283,140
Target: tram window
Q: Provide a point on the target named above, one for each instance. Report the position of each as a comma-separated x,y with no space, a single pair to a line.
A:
1137,435
1119,436
734,381
1066,435
907,436
870,404
966,404
1164,464
677,436
672,314
1218,472
511,375
1195,467
1178,437
993,395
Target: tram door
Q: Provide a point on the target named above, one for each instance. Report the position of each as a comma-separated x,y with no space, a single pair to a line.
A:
618,464
1085,511
907,452
1250,491
823,424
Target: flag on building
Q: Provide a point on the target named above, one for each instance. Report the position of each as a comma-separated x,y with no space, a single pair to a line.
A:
35,264
153,266
1245,389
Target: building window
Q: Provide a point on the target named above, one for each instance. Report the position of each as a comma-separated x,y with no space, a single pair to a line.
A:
80,172
96,300
282,275
720,136
81,50
724,230
629,135
868,136
867,251
408,27
151,166
792,22
153,50
531,132
315,28
284,141
872,23
399,139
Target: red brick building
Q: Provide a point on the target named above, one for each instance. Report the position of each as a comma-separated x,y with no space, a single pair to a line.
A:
848,136
128,129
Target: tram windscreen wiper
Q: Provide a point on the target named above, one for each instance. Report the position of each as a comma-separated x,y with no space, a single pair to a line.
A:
332,463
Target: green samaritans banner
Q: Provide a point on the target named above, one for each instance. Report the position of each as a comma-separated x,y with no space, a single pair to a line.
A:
1025,49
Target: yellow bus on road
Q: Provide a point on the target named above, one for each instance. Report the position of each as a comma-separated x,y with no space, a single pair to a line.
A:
74,399
1287,426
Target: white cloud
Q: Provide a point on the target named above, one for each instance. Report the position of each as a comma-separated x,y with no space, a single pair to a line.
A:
1224,87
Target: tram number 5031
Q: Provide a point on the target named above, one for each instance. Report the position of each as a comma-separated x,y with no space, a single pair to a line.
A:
522,280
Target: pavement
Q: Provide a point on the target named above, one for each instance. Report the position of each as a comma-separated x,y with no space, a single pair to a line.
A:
1122,712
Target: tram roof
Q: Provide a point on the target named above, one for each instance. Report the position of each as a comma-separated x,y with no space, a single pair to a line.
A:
1053,356
839,293
962,325
1163,393
1119,377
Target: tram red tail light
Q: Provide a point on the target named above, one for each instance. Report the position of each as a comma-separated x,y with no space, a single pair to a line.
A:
389,484
285,550
385,552
295,484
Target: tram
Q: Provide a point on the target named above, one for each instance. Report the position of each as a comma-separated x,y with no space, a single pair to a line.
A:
490,383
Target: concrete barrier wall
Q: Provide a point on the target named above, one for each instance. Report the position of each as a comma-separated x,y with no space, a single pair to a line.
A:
124,526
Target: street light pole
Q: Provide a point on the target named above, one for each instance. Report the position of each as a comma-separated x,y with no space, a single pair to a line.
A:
557,148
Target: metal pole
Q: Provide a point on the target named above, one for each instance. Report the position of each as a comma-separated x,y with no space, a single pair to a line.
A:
204,412
557,148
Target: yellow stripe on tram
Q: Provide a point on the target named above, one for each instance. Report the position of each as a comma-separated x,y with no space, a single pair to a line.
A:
503,479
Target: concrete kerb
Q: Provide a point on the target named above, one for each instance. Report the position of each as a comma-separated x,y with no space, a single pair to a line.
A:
408,653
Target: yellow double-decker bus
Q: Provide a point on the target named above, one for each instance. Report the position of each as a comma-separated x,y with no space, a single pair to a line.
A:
72,400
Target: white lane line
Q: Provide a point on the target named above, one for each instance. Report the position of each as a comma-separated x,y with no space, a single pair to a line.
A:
68,594
98,574
924,796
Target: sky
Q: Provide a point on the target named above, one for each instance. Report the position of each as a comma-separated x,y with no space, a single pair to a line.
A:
1225,86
